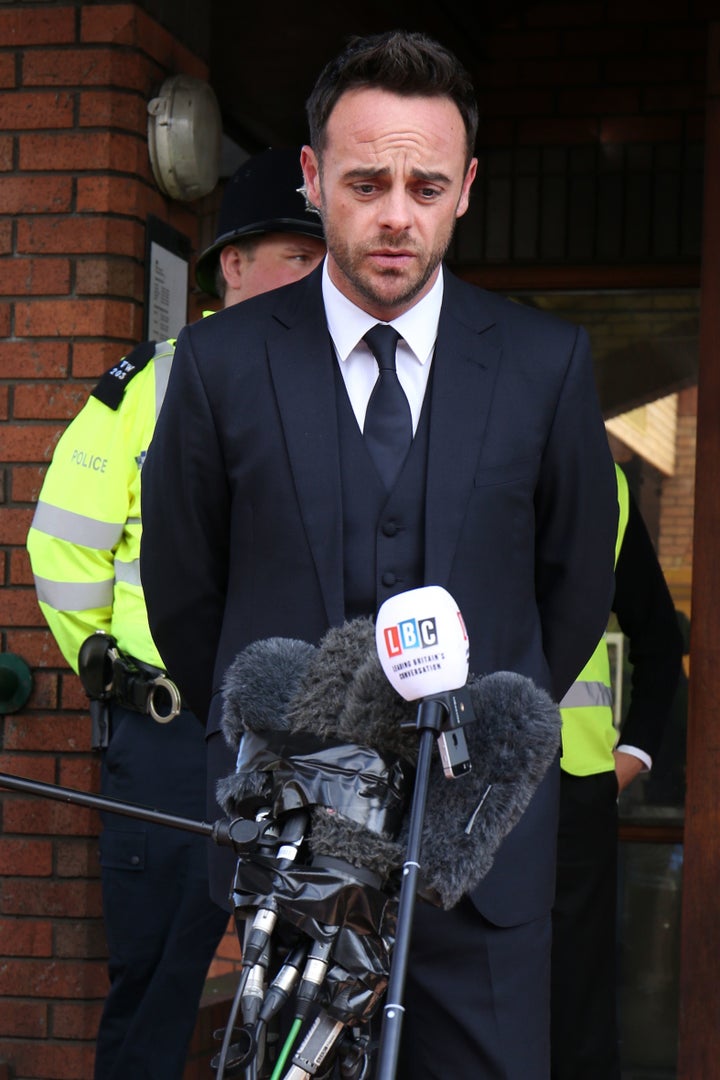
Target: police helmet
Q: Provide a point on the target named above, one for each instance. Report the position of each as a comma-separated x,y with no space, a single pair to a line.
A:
260,197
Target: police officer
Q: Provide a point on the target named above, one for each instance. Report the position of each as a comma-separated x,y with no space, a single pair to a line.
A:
162,929
597,763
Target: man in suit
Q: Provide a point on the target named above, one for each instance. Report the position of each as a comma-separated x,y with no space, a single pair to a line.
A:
273,507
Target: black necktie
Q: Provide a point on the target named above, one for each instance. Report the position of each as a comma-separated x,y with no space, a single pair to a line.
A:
388,421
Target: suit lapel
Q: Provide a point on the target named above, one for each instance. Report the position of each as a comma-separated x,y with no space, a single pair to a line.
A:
465,367
301,363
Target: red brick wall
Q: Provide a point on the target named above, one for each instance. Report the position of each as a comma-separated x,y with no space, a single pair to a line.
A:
76,187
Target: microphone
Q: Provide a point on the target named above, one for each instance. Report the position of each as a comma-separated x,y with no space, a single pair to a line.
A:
424,651
257,690
504,733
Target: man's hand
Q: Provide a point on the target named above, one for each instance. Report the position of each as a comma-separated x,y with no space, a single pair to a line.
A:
627,767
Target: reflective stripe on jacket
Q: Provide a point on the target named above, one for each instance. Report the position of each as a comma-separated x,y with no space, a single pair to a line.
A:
84,541
589,735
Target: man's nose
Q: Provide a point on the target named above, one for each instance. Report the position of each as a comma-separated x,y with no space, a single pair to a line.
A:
396,210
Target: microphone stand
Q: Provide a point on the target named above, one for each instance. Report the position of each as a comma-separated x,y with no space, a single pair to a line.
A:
431,715
240,834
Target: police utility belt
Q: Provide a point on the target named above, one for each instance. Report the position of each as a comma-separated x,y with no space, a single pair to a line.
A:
110,675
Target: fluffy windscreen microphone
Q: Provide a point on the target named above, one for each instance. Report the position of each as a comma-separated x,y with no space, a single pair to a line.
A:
257,690
512,743
344,698
345,695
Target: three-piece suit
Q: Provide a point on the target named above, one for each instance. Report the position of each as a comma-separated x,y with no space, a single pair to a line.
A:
263,516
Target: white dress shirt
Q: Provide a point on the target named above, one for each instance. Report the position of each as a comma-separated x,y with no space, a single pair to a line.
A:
418,329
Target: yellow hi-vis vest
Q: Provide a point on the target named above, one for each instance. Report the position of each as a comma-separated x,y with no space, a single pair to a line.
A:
84,541
588,732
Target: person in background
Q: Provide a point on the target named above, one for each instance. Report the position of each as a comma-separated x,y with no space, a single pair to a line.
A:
161,926
595,767
304,490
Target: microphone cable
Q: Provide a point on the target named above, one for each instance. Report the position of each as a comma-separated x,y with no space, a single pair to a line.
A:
287,1048
220,1061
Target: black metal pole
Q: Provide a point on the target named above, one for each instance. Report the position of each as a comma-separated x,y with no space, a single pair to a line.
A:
239,834
429,722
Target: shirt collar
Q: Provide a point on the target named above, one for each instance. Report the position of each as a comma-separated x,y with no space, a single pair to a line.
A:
347,322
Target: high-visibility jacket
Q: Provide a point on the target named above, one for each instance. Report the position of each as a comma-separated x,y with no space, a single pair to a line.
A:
84,541
589,735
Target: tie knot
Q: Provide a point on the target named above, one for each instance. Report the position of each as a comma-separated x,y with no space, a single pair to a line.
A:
383,340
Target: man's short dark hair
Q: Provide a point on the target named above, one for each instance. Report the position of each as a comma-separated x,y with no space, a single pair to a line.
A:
401,62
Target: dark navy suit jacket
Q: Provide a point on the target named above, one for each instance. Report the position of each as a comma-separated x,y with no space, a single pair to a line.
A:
242,510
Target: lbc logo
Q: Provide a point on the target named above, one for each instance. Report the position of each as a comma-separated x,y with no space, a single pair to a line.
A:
410,634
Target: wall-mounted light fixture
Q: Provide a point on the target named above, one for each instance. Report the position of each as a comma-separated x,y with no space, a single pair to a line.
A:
184,138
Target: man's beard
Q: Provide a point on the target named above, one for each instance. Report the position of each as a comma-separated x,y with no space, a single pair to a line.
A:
350,262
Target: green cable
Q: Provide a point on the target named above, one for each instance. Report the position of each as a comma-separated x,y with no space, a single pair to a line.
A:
287,1047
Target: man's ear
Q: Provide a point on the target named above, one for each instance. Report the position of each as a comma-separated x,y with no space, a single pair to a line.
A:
232,261
311,172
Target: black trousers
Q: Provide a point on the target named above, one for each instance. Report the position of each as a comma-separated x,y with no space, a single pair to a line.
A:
161,926
584,1035
476,998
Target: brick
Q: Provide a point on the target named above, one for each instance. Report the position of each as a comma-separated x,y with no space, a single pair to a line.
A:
20,605
127,24
50,401
79,771
562,131
105,108
39,1059
25,110
81,235
30,766
34,277
559,71
646,11
681,99
599,40
511,45
114,277
45,691
6,231
25,937
594,101
32,858
73,695
7,71
23,1019
33,442
639,129
4,402
35,194
672,67
117,194
91,359
37,27
69,1020
38,817
87,67
5,319
77,858
86,318
567,14
66,733
53,899
26,484
15,524
85,150
513,102
54,979
79,938
34,359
